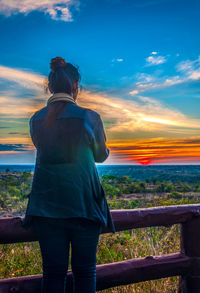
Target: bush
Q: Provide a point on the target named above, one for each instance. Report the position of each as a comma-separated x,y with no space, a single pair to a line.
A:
175,194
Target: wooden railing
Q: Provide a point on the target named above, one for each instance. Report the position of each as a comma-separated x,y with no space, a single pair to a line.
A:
185,264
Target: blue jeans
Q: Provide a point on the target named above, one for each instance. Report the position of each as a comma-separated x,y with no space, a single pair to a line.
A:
55,236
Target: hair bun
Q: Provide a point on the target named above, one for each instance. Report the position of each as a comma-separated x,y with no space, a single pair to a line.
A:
56,63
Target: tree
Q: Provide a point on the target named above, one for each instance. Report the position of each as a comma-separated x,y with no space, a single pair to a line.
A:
169,188
154,180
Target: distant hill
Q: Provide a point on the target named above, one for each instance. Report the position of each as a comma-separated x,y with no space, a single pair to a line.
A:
189,173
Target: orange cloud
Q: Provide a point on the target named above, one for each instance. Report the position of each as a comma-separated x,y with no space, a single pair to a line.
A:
156,150
16,140
145,152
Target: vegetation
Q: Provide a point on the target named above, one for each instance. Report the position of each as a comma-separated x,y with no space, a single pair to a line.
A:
22,259
14,189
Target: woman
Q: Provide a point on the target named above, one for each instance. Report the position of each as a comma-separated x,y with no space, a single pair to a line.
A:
67,204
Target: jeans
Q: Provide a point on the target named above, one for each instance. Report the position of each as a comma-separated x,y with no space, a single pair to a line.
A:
55,236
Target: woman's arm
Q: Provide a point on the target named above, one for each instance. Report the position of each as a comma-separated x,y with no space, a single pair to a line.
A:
100,151
31,129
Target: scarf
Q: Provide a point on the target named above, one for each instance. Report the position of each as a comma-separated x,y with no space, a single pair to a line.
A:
61,97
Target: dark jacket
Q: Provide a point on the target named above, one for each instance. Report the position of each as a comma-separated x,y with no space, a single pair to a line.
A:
66,182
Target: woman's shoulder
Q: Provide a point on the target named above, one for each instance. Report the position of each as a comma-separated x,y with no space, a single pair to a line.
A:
89,113
38,113
91,116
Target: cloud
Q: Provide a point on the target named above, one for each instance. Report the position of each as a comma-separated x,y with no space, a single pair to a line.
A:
16,107
139,151
124,120
16,140
24,78
134,92
21,133
16,121
155,60
156,150
13,147
117,60
57,9
189,71
21,92
143,114
122,116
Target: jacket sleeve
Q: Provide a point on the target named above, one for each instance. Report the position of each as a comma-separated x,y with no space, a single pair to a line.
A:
31,130
100,151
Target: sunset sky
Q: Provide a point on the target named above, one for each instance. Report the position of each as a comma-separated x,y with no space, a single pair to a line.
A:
140,70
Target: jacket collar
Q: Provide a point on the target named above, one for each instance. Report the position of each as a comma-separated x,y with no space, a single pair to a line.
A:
61,97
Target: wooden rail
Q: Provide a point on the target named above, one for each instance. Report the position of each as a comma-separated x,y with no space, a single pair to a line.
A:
185,264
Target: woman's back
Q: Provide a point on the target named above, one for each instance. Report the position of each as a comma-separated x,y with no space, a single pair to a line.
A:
59,142
66,182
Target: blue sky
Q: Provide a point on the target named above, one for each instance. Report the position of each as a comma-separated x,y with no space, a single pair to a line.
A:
140,67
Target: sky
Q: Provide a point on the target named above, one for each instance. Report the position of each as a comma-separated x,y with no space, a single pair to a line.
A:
139,62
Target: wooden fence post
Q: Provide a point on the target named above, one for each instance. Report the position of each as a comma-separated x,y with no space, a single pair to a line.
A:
190,246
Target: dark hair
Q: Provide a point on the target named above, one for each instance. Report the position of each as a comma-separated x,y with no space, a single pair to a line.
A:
61,79
54,109
62,76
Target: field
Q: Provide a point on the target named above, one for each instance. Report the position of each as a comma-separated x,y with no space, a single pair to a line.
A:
122,192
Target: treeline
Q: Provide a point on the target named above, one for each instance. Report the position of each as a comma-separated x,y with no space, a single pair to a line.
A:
15,187
115,186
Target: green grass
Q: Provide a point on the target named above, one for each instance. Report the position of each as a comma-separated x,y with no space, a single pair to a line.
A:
23,259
